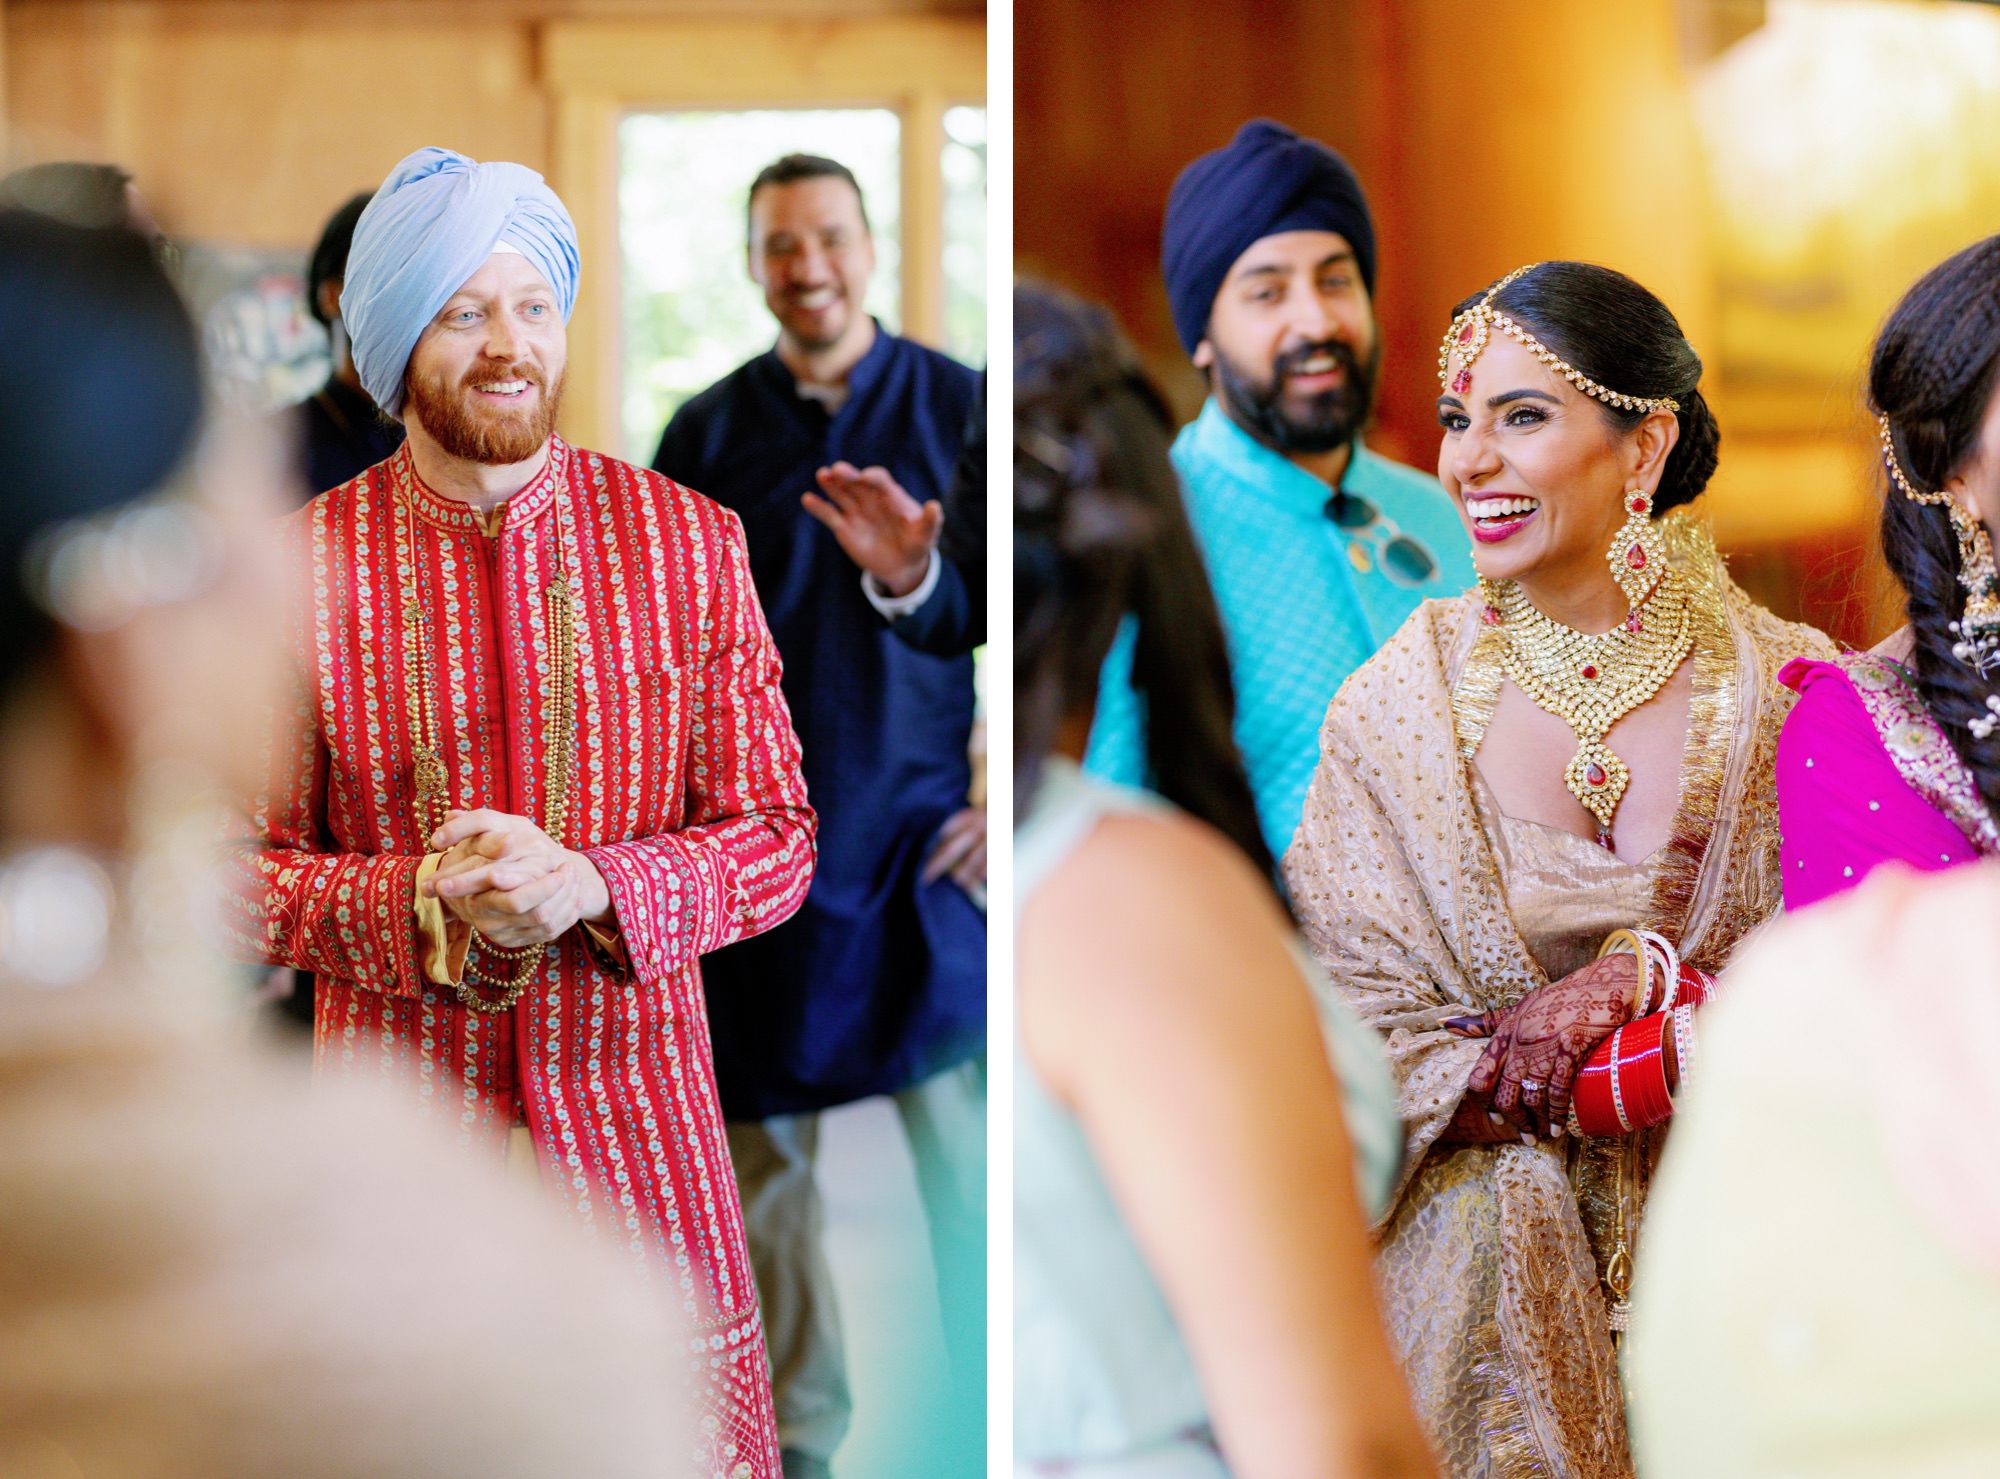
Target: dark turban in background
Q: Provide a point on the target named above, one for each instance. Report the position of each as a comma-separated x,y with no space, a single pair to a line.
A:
1267,181
329,258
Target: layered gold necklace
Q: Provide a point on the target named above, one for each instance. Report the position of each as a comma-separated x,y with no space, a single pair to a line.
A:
558,719
1591,682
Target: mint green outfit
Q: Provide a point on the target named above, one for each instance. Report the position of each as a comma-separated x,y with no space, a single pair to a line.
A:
1298,609
1104,1387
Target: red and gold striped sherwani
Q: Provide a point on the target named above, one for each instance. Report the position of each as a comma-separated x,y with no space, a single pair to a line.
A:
687,795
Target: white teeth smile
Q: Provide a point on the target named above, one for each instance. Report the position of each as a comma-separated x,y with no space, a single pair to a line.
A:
503,387
817,298
1499,508
1319,364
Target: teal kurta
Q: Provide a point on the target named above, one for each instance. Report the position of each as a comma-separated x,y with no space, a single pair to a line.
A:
1304,602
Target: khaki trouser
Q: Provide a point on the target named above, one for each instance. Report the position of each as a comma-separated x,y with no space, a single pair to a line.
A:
944,1119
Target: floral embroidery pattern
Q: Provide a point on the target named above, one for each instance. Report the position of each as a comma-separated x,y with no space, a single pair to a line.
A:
688,798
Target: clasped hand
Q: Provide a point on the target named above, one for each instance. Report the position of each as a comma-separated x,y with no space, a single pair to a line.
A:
1522,1082
511,881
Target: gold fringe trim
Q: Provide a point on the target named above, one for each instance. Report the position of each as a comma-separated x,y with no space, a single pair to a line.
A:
1504,1423
1477,691
1711,724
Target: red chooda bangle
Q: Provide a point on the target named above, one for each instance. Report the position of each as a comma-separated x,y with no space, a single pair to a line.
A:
1622,1085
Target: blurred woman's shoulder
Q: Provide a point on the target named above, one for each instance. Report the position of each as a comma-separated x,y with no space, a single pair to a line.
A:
1138,892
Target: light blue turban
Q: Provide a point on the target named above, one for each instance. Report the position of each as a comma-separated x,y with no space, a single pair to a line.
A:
434,222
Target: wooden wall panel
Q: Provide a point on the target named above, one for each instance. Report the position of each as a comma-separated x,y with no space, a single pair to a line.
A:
1111,100
248,122
251,126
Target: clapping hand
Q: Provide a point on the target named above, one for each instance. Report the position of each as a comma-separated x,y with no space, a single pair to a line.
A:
880,527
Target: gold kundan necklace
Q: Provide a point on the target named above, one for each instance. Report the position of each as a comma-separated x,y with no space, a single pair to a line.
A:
1591,682
558,718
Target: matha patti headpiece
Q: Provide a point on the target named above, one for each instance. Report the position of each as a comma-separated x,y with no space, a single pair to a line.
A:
1978,631
1471,330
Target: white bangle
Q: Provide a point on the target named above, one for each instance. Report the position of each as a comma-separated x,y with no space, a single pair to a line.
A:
1670,961
1683,1045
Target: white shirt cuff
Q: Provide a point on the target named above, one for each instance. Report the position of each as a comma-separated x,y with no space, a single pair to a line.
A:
894,608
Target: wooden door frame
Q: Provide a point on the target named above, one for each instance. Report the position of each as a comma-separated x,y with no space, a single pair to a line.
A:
595,72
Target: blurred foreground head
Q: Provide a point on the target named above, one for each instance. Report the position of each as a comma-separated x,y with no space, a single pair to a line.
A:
208,1272
135,623
1100,533
77,194
204,1271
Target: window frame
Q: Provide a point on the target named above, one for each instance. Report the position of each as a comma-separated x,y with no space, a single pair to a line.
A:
596,72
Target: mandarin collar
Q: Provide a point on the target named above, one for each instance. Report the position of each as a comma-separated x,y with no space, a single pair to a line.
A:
523,509
860,380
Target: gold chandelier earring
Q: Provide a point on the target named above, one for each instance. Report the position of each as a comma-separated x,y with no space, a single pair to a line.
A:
1638,553
1978,630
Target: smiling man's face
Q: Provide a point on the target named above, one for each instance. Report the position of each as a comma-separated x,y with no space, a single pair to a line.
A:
812,254
1290,349
485,380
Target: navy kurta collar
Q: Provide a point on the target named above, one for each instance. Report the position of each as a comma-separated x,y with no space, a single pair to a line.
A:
782,384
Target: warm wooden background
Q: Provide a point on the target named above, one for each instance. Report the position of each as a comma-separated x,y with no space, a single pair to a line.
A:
248,121
1487,137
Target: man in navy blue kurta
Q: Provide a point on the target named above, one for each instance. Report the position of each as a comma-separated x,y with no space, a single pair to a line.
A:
877,986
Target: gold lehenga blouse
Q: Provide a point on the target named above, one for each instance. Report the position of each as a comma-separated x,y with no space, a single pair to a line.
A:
1491,1256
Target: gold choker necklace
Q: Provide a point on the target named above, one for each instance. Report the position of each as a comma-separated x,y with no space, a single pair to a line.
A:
1591,682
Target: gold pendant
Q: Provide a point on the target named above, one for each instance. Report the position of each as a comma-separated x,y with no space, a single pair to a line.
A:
1597,777
429,776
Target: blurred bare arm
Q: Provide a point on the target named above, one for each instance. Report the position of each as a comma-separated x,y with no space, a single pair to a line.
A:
1159,1000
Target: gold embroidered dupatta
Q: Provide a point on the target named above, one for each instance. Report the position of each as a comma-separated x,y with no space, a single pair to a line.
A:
1490,1255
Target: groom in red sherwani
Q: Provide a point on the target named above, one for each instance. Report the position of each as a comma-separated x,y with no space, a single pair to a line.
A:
538,765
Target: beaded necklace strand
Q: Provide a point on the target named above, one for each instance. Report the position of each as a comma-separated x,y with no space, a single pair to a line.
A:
558,716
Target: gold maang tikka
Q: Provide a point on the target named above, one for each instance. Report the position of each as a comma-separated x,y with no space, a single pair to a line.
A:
1589,682
1978,630
1472,330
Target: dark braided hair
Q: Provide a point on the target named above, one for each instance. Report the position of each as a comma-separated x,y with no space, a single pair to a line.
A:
1100,533
1621,336
1933,376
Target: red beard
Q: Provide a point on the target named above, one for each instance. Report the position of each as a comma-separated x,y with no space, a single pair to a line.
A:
472,432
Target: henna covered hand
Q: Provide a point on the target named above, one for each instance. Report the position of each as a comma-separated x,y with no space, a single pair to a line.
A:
1538,1044
1477,1122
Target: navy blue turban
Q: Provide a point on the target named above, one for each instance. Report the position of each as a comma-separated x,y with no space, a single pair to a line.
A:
1268,180
434,222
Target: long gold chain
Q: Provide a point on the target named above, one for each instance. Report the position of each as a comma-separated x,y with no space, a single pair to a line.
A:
1590,682
558,718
